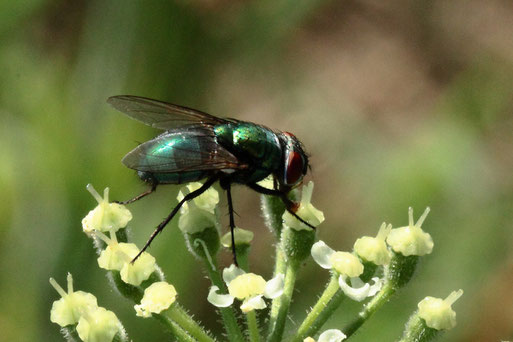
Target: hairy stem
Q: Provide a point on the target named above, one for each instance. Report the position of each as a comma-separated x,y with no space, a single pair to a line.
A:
228,315
282,303
328,302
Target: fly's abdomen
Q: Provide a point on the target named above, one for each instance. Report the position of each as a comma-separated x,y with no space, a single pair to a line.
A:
172,178
180,156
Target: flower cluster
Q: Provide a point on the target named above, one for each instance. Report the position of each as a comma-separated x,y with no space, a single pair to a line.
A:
373,270
80,310
372,252
110,218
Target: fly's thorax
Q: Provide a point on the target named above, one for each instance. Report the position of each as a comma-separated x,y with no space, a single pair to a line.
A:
257,146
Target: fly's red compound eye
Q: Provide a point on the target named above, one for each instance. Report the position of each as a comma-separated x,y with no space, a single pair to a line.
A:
294,162
294,168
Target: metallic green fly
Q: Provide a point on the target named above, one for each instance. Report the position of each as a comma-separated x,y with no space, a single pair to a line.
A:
197,145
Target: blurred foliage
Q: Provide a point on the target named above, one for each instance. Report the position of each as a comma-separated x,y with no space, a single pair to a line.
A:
403,103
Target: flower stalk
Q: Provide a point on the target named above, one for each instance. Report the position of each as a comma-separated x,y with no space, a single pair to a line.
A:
227,313
369,309
253,329
174,329
326,305
281,304
177,314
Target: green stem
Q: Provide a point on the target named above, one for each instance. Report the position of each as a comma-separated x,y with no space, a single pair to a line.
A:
186,324
228,315
70,333
281,304
273,209
375,303
120,338
254,331
279,268
242,257
280,263
329,301
174,328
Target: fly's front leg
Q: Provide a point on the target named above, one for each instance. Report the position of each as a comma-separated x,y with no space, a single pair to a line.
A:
290,205
138,197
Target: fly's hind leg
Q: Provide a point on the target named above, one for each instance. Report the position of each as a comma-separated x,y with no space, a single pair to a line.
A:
138,197
232,221
162,225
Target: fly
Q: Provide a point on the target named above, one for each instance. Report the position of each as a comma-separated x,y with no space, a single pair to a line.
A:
196,145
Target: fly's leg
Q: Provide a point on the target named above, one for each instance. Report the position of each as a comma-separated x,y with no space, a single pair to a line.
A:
232,221
163,224
138,197
290,206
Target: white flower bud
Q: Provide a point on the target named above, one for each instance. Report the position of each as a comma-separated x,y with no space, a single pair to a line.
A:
106,216
411,240
374,249
438,312
157,297
72,305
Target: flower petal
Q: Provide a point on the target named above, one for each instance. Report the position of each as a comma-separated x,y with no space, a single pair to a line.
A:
219,300
253,303
332,335
274,287
321,253
357,294
376,287
231,273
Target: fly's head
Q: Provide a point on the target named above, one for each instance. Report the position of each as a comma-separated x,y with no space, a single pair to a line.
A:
294,163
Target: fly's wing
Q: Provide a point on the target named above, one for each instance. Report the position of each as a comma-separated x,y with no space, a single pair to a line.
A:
183,150
159,114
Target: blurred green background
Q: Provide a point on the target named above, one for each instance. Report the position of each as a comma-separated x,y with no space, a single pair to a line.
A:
401,103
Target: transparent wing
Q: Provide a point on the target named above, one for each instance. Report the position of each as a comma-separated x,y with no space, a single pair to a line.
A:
192,149
160,114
